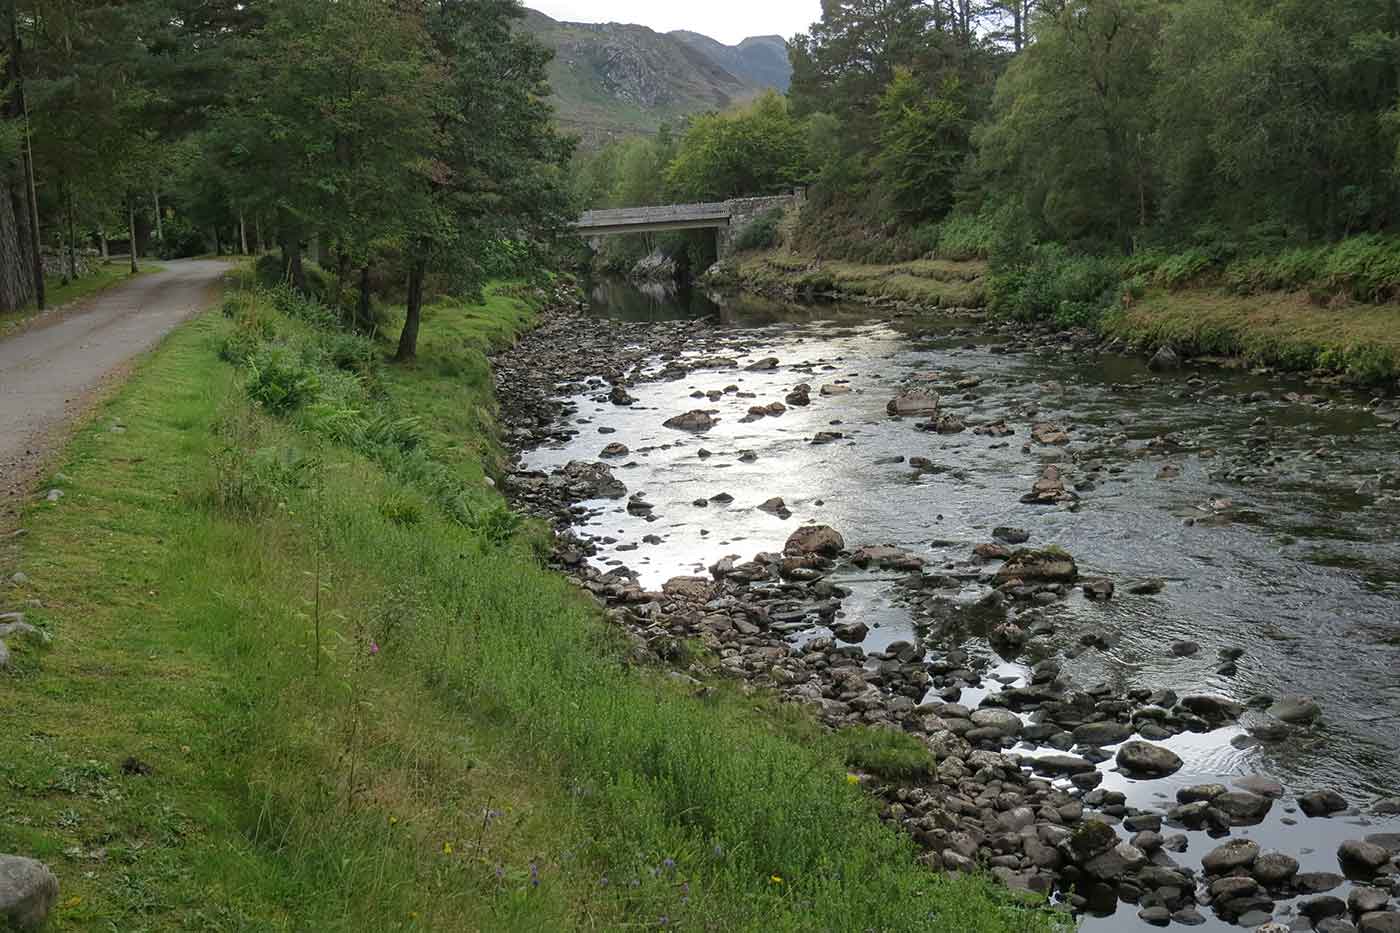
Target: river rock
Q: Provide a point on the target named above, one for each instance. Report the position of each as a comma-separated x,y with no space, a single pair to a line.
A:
1367,900
1047,566
614,450
832,388
1263,786
1389,806
1217,711
584,480
1274,868
886,557
1164,360
1243,808
1102,733
1237,853
1049,433
913,402
775,506
1362,857
815,539
1116,862
696,420
763,365
1199,792
851,632
1144,758
1049,489
1003,721
1322,803
1317,882
1011,535
619,396
689,589
1379,922
1296,710
1061,764
28,892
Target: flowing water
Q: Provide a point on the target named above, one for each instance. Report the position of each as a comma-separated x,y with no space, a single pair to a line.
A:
1272,521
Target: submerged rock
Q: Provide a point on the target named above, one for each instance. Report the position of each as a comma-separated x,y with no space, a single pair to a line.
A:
1045,566
697,420
1164,360
913,402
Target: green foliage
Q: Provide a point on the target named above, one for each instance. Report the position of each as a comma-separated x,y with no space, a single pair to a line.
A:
1052,283
280,378
923,144
886,753
182,240
760,149
762,233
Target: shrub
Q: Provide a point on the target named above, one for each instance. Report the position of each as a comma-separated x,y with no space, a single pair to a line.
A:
181,240
762,233
1053,284
280,380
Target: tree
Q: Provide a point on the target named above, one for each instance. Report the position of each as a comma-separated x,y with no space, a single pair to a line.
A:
757,150
494,171
923,145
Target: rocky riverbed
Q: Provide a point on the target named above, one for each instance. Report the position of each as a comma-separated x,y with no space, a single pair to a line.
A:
1146,621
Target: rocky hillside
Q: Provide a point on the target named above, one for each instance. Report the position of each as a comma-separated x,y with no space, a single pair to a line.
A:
759,60
614,80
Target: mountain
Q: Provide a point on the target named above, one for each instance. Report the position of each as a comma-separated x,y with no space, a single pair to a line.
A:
760,60
612,80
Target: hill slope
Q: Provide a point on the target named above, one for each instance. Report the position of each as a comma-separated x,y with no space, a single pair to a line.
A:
614,80
759,60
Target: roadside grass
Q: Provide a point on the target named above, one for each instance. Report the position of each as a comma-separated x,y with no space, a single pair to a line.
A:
1284,329
300,680
57,295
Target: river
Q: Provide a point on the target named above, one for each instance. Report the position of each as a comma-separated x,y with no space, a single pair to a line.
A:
1268,504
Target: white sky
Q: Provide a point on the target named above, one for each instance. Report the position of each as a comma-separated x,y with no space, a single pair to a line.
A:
726,20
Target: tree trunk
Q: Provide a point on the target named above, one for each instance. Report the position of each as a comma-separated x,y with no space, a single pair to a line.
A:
296,274
131,226
362,309
72,237
102,235
408,339
218,243
242,234
21,262
257,234
160,227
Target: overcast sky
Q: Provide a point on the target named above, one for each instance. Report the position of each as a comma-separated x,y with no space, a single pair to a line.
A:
726,20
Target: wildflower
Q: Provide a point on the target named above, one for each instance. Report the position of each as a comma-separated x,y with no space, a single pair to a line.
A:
373,647
534,875
719,851
669,864
604,883
852,779
393,821
500,872
775,879
447,848
664,921
413,915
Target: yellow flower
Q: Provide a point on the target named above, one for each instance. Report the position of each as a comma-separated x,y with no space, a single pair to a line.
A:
413,915
447,848
852,779
393,821
775,879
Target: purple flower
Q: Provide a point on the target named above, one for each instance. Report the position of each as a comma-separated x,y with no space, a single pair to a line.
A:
665,920
534,875
500,872
605,881
669,864
373,647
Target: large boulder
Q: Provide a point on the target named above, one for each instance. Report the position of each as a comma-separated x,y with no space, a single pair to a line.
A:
28,891
1148,760
584,480
697,420
1165,360
913,402
1295,710
1237,853
689,589
815,539
1047,566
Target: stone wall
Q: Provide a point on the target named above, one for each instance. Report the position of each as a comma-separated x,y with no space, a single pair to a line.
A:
744,211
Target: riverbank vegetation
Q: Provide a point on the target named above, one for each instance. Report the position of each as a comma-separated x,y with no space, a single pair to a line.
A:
306,671
1090,151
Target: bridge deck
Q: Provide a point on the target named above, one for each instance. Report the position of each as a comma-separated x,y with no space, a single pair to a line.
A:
638,219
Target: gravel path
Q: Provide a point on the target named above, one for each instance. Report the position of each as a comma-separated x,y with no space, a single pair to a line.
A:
53,371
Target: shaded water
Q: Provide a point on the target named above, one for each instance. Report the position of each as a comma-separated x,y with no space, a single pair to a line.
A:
1274,522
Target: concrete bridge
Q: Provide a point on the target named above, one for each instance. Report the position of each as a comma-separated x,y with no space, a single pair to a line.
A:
727,218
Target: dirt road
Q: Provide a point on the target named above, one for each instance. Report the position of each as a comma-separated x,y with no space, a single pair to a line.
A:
52,371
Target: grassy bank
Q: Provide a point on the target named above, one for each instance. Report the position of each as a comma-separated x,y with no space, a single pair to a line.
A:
308,674
57,294
1268,311
932,283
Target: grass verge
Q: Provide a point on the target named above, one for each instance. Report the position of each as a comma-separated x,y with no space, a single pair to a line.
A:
930,283
308,674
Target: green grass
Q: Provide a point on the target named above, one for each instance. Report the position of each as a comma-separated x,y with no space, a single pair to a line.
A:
291,777
1276,329
930,283
57,295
